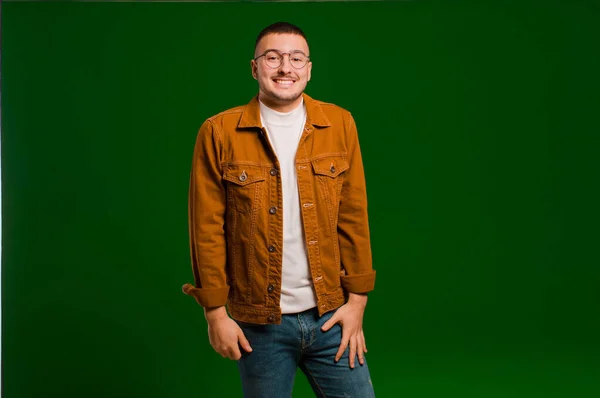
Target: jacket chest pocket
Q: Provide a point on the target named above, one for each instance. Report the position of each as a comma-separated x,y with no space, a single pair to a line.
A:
245,187
329,172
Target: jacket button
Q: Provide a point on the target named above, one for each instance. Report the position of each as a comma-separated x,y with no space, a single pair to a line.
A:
332,169
270,288
273,172
271,318
273,210
271,248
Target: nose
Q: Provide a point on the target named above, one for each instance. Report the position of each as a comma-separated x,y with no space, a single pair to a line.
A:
285,66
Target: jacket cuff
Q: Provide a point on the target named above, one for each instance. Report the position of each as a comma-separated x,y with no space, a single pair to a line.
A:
207,297
360,283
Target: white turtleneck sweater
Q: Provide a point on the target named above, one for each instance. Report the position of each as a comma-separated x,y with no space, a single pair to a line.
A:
284,131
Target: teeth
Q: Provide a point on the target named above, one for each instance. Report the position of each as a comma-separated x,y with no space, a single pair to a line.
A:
284,82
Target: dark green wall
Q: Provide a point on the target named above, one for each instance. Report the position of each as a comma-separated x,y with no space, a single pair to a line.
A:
479,128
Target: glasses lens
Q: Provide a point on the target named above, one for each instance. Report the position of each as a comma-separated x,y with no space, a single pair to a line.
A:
298,60
273,59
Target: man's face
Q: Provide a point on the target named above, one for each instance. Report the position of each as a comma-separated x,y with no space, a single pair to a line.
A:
281,86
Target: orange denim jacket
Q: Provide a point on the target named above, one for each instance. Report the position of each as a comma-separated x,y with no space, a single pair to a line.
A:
235,218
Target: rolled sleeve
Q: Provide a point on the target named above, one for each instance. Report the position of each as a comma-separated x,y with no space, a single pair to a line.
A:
359,283
207,297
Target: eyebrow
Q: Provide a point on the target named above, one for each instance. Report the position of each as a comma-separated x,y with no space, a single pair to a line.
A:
293,51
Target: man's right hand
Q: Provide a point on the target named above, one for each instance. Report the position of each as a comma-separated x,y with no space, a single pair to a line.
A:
225,335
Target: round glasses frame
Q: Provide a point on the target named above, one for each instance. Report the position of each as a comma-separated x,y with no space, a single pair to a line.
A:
281,54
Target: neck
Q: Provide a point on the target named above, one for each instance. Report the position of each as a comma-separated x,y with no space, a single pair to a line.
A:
279,106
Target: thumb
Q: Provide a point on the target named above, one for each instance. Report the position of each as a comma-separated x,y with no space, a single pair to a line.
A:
243,341
327,325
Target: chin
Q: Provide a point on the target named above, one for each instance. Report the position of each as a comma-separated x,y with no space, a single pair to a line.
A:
283,97
288,97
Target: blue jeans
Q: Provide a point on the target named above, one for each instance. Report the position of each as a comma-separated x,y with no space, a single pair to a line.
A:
269,370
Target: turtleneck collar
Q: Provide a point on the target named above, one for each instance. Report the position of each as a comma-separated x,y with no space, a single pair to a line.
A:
276,118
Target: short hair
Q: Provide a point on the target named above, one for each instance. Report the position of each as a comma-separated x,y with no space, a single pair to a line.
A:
279,28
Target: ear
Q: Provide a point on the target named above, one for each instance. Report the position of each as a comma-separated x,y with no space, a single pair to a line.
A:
254,70
309,66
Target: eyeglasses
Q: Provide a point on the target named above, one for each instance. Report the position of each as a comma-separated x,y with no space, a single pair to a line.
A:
274,58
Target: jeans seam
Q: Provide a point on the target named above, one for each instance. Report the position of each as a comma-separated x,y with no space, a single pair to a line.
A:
298,317
315,382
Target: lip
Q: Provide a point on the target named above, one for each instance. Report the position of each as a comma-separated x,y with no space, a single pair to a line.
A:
289,82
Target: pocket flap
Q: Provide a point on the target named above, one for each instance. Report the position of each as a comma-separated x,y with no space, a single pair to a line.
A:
242,175
330,166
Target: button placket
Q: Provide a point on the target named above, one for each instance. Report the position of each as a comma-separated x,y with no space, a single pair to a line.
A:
309,210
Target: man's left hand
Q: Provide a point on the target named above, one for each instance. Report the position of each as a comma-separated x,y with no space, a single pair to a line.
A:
350,317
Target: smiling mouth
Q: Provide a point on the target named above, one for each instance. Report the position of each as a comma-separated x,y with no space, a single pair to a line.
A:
284,82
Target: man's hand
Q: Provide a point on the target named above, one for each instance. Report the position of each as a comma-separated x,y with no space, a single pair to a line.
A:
225,335
350,317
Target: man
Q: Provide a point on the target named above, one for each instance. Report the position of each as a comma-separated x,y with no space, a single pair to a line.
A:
279,231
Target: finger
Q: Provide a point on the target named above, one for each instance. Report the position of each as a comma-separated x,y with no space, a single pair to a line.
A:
362,332
235,353
222,352
352,351
359,350
343,346
244,341
330,322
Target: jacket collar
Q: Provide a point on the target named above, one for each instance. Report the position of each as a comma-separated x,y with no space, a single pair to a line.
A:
314,113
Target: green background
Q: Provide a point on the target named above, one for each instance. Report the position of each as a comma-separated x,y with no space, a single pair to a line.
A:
479,128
